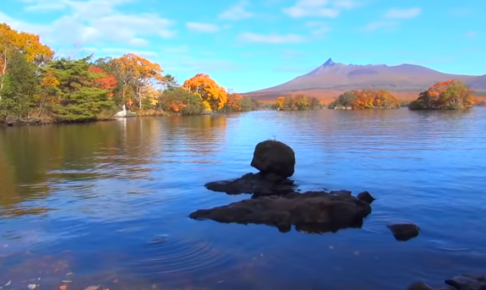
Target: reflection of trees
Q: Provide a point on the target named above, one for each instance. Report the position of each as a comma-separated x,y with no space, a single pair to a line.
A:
196,135
36,161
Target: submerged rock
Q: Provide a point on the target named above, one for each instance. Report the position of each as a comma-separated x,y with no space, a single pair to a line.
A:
404,232
274,158
459,282
309,211
254,183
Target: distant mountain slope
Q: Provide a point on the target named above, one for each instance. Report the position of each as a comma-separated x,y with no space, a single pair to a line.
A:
405,77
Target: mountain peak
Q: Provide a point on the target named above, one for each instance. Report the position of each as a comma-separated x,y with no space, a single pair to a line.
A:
329,62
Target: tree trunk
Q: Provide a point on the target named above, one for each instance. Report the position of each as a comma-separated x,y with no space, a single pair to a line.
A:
4,70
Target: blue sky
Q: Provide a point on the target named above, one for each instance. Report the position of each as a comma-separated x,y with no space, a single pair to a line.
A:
250,45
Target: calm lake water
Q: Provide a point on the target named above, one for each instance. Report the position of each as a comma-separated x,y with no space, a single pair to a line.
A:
107,203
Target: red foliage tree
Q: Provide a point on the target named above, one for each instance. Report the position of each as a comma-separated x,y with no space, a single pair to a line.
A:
103,80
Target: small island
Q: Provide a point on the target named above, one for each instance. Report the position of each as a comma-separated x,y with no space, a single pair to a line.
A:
448,95
365,99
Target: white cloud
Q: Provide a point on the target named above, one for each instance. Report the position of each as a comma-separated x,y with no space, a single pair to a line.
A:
179,49
117,51
202,27
271,38
236,12
375,25
319,8
396,13
347,4
318,28
471,34
92,22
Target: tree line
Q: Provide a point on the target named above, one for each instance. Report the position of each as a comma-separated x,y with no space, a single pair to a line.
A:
447,95
37,87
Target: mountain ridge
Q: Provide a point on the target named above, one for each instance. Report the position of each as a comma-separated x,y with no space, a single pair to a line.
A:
332,75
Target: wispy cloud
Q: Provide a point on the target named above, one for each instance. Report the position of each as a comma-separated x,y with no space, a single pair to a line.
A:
236,12
381,24
398,13
271,38
304,8
202,27
471,34
118,51
318,28
319,8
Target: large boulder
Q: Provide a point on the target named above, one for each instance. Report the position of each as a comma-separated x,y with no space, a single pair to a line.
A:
308,211
274,158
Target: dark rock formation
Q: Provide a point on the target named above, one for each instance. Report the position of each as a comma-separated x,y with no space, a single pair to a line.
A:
275,159
253,183
365,196
459,282
309,211
404,232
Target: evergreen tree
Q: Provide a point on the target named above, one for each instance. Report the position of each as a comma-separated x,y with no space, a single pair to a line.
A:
20,87
78,99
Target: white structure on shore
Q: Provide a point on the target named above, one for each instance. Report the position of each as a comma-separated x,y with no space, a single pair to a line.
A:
122,113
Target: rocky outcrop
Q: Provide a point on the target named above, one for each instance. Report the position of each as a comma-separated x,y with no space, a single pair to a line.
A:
459,282
404,232
253,183
276,202
309,211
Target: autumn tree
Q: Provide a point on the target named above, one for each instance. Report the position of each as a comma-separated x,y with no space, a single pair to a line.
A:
297,102
240,103
137,72
27,44
213,96
366,99
448,95
102,79
179,100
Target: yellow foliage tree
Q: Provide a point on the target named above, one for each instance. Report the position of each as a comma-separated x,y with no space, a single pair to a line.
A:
214,97
26,43
151,94
137,72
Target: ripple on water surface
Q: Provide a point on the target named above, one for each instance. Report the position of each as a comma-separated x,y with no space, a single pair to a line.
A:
178,259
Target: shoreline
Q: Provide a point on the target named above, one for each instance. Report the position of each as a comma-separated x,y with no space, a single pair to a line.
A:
39,122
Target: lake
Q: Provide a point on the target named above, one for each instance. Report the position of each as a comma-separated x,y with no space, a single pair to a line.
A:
107,203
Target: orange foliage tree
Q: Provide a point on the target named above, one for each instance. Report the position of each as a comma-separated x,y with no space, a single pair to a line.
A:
103,80
27,44
297,103
240,103
447,95
137,72
213,96
366,99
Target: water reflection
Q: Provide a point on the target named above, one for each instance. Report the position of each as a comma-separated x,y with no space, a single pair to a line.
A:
109,201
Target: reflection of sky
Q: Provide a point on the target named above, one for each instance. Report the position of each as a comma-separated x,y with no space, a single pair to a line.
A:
424,168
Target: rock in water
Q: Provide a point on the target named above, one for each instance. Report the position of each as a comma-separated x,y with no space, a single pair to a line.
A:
366,196
255,184
459,282
467,282
274,158
326,211
404,232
